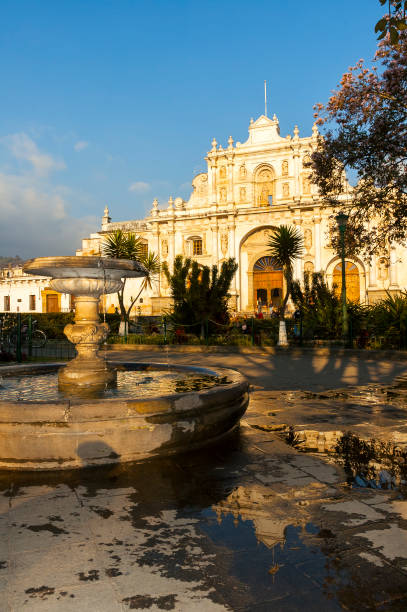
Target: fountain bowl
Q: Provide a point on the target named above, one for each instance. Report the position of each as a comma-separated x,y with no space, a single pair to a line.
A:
77,433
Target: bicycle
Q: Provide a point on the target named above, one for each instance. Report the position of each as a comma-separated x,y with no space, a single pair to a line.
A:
38,337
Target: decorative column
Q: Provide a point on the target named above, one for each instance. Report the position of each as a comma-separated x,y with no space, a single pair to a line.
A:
393,268
232,252
317,240
372,272
296,157
215,239
299,260
230,165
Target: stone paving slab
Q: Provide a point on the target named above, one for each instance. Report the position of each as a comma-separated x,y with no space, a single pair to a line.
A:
250,524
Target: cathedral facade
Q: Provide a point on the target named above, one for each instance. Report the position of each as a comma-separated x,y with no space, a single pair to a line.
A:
249,189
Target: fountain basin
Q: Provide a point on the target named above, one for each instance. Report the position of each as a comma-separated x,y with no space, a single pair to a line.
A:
77,433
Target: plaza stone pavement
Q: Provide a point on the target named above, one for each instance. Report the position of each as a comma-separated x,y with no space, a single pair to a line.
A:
250,524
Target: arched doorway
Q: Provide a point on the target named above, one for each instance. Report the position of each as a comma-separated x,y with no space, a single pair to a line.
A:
267,282
352,280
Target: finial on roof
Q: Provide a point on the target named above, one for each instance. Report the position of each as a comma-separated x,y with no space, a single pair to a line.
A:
106,219
315,131
275,117
170,203
251,120
154,210
214,143
230,141
296,131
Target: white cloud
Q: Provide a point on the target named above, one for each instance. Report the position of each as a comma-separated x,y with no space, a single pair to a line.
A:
140,187
24,148
35,220
81,145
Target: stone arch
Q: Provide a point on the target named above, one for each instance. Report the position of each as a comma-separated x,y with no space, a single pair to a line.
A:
264,185
252,247
356,289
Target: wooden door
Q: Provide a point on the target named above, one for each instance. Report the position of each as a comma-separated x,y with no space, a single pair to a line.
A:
352,281
52,303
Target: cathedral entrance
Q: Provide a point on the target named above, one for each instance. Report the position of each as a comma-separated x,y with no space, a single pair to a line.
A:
267,282
352,281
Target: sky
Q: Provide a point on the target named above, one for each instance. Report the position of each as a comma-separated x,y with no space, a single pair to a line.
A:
116,101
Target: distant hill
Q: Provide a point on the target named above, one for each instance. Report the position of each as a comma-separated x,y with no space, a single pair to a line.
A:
14,261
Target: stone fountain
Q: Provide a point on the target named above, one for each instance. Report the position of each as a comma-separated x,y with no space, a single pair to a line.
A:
87,278
87,420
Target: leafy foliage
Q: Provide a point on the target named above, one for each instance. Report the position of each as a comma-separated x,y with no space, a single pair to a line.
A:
126,245
393,22
369,112
200,293
321,308
389,318
285,244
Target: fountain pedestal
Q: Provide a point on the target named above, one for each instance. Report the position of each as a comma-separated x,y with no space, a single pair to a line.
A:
87,278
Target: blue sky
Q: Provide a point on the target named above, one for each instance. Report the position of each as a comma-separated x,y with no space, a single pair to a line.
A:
116,101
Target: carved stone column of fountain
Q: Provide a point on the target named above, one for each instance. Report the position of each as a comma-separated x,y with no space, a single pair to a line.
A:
87,278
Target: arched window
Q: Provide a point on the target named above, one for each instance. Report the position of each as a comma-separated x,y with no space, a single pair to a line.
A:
194,246
264,182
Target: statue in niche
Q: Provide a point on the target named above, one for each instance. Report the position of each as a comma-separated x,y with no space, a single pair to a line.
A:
308,239
224,243
286,190
383,269
264,197
164,247
222,172
223,194
284,168
242,194
306,162
308,267
243,172
306,184
264,187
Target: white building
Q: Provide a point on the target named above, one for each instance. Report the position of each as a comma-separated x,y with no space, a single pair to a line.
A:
20,292
249,189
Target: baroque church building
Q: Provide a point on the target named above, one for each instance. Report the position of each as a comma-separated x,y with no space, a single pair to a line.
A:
249,189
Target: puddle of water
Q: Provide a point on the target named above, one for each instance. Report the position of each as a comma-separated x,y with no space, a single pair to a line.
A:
43,387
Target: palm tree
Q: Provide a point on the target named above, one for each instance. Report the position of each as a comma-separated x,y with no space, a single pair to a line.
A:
126,245
285,244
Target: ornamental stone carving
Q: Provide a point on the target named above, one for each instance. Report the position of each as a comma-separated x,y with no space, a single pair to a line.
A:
222,172
308,240
286,190
164,248
224,242
284,168
243,194
223,194
242,171
306,185
383,269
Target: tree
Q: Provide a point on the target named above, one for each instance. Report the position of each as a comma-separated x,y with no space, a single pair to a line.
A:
369,113
200,293
126,245
285,244
394,22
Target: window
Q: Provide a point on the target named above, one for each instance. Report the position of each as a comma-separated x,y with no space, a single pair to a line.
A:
6,302
31,302
144,249
197,246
